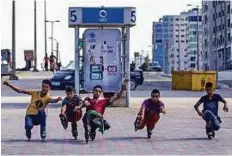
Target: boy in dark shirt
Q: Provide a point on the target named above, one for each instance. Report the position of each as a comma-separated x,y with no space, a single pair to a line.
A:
71,110
210,109
149,113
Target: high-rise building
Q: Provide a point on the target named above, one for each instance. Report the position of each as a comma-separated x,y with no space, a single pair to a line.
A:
194,39
175,41
161,39
217,35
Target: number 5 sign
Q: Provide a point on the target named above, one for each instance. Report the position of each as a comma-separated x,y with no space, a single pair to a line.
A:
105,16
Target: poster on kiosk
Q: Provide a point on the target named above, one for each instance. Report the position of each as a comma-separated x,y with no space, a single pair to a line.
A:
102,51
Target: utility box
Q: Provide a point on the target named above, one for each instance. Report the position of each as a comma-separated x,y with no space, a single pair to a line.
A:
192,80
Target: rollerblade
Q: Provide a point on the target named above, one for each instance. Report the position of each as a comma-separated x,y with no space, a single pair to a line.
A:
75,134
28,134
137,123
64,121
210,132
87,134
43,134
92,134
149,133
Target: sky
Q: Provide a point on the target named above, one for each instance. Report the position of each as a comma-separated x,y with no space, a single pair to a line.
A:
141,34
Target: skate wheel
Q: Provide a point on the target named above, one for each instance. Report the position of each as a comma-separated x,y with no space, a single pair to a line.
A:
75,138
86,141
213,134
43,139
209,137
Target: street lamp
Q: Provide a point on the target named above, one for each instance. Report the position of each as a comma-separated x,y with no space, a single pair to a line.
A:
52,23
198,55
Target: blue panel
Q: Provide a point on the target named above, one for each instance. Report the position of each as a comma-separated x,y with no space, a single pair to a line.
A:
103,15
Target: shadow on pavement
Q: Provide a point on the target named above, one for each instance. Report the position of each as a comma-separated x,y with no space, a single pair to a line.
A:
183,139
56,141
126,138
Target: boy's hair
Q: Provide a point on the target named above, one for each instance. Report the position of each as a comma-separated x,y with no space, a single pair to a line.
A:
154,91
97,86
70,89
209,85
46,81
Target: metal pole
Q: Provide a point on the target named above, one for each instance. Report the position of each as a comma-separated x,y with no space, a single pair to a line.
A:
178,44
35,36
198,54
123,51
52,37
225,38
77,60
127,64
13,76
45,29
57,50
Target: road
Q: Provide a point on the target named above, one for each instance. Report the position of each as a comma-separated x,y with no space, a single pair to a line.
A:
181,131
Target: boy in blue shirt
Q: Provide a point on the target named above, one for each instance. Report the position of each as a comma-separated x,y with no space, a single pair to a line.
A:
210,109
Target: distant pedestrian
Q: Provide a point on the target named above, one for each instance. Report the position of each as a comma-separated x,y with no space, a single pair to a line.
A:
46,60
149,113
52,62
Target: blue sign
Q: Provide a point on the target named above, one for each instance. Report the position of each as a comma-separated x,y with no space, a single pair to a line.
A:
102,15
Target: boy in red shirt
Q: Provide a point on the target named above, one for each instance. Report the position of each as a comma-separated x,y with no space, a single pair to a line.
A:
149,113
95,108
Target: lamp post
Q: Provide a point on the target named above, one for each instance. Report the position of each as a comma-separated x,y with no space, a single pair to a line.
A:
52,24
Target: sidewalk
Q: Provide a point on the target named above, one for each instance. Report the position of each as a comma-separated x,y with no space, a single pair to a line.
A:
34,75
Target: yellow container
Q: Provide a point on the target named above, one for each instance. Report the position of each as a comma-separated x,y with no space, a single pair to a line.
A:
192,80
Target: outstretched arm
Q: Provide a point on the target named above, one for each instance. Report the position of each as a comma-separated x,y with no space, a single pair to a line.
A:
123,88
225,107
15,88
55,100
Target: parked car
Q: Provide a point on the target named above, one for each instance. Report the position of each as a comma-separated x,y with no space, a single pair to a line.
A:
154,66
66,77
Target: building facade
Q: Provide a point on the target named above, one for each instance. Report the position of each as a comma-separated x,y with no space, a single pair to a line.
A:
217,35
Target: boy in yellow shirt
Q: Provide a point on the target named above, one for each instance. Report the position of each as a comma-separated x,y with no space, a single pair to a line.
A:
35,113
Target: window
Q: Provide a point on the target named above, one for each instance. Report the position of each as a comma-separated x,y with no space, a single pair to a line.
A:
182,41
177,19
219,27
182,24
228,8
177,49
214,17
219,14
177,25
214,3
223,26
177,41
223,13
193,58
192,65
228,36
158,41
228,22
177,35
158,30
177,30
206,55
182,30
194,33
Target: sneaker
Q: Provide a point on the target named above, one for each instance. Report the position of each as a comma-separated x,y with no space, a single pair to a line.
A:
64,121
149,133
28,134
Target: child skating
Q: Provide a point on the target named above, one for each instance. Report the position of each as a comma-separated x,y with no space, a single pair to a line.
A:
95,108
149,113
210,110
35,113
71,110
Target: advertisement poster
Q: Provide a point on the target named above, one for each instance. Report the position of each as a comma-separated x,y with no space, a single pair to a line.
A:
29,55
102,66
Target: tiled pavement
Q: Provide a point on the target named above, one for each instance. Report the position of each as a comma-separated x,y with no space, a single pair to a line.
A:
181,131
